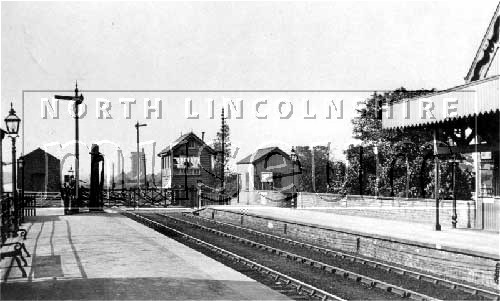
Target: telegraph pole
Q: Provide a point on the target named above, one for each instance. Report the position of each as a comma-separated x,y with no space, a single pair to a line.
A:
223,131
78,100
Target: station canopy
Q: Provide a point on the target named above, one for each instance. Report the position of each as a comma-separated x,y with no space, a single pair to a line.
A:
469,100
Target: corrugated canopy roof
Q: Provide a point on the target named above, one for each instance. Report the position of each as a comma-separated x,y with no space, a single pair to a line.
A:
472,99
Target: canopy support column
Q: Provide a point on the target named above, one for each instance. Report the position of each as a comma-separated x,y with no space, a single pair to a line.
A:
436,176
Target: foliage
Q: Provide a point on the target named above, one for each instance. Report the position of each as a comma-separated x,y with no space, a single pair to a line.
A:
394,147
217,146
323,180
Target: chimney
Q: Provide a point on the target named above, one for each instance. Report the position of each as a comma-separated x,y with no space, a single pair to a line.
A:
202,136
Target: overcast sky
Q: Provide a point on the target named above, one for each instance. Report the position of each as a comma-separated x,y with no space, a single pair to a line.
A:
365,46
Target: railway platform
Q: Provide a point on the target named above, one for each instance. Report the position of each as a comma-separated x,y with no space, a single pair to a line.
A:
476,242
463,255
98,256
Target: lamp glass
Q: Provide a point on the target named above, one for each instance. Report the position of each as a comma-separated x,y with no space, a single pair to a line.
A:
20,162
293,155
12,122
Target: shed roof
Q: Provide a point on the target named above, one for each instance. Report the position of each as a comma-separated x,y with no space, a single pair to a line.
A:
261,154
40,151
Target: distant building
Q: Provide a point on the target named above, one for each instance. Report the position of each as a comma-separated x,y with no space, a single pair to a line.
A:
133,162
266,169
200,156
42,172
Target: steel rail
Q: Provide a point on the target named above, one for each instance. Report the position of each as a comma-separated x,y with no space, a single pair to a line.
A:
300,286
372,282
387,267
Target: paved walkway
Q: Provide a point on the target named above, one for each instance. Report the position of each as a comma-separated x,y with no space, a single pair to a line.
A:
464,240
107,256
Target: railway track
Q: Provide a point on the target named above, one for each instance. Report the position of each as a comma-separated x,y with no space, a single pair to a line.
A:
284,284
336,270
329,281
311,257
474,292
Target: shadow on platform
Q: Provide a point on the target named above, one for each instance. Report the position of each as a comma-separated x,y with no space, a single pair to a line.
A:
149,288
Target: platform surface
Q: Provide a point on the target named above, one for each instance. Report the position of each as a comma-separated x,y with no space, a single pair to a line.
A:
476,242
107,256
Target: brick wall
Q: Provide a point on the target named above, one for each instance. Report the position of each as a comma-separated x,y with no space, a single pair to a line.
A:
411,210
472,268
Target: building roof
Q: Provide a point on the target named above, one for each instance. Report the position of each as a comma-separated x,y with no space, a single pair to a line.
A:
40,151
261,154
487,51
180,140
472,99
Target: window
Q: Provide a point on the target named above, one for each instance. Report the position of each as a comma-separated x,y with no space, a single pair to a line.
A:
194,166
165,162
277,180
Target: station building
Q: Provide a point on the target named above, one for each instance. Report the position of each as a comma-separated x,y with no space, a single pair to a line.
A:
465,120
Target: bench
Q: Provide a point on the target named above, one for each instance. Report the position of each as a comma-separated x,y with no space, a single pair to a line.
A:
13,248
11,245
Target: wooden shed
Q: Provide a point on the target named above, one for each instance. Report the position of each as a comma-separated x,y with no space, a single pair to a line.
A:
267,169
42,172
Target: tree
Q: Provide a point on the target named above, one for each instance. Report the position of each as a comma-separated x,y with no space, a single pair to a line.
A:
304,179
361,171
337,170
223,153
321,161
394,148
